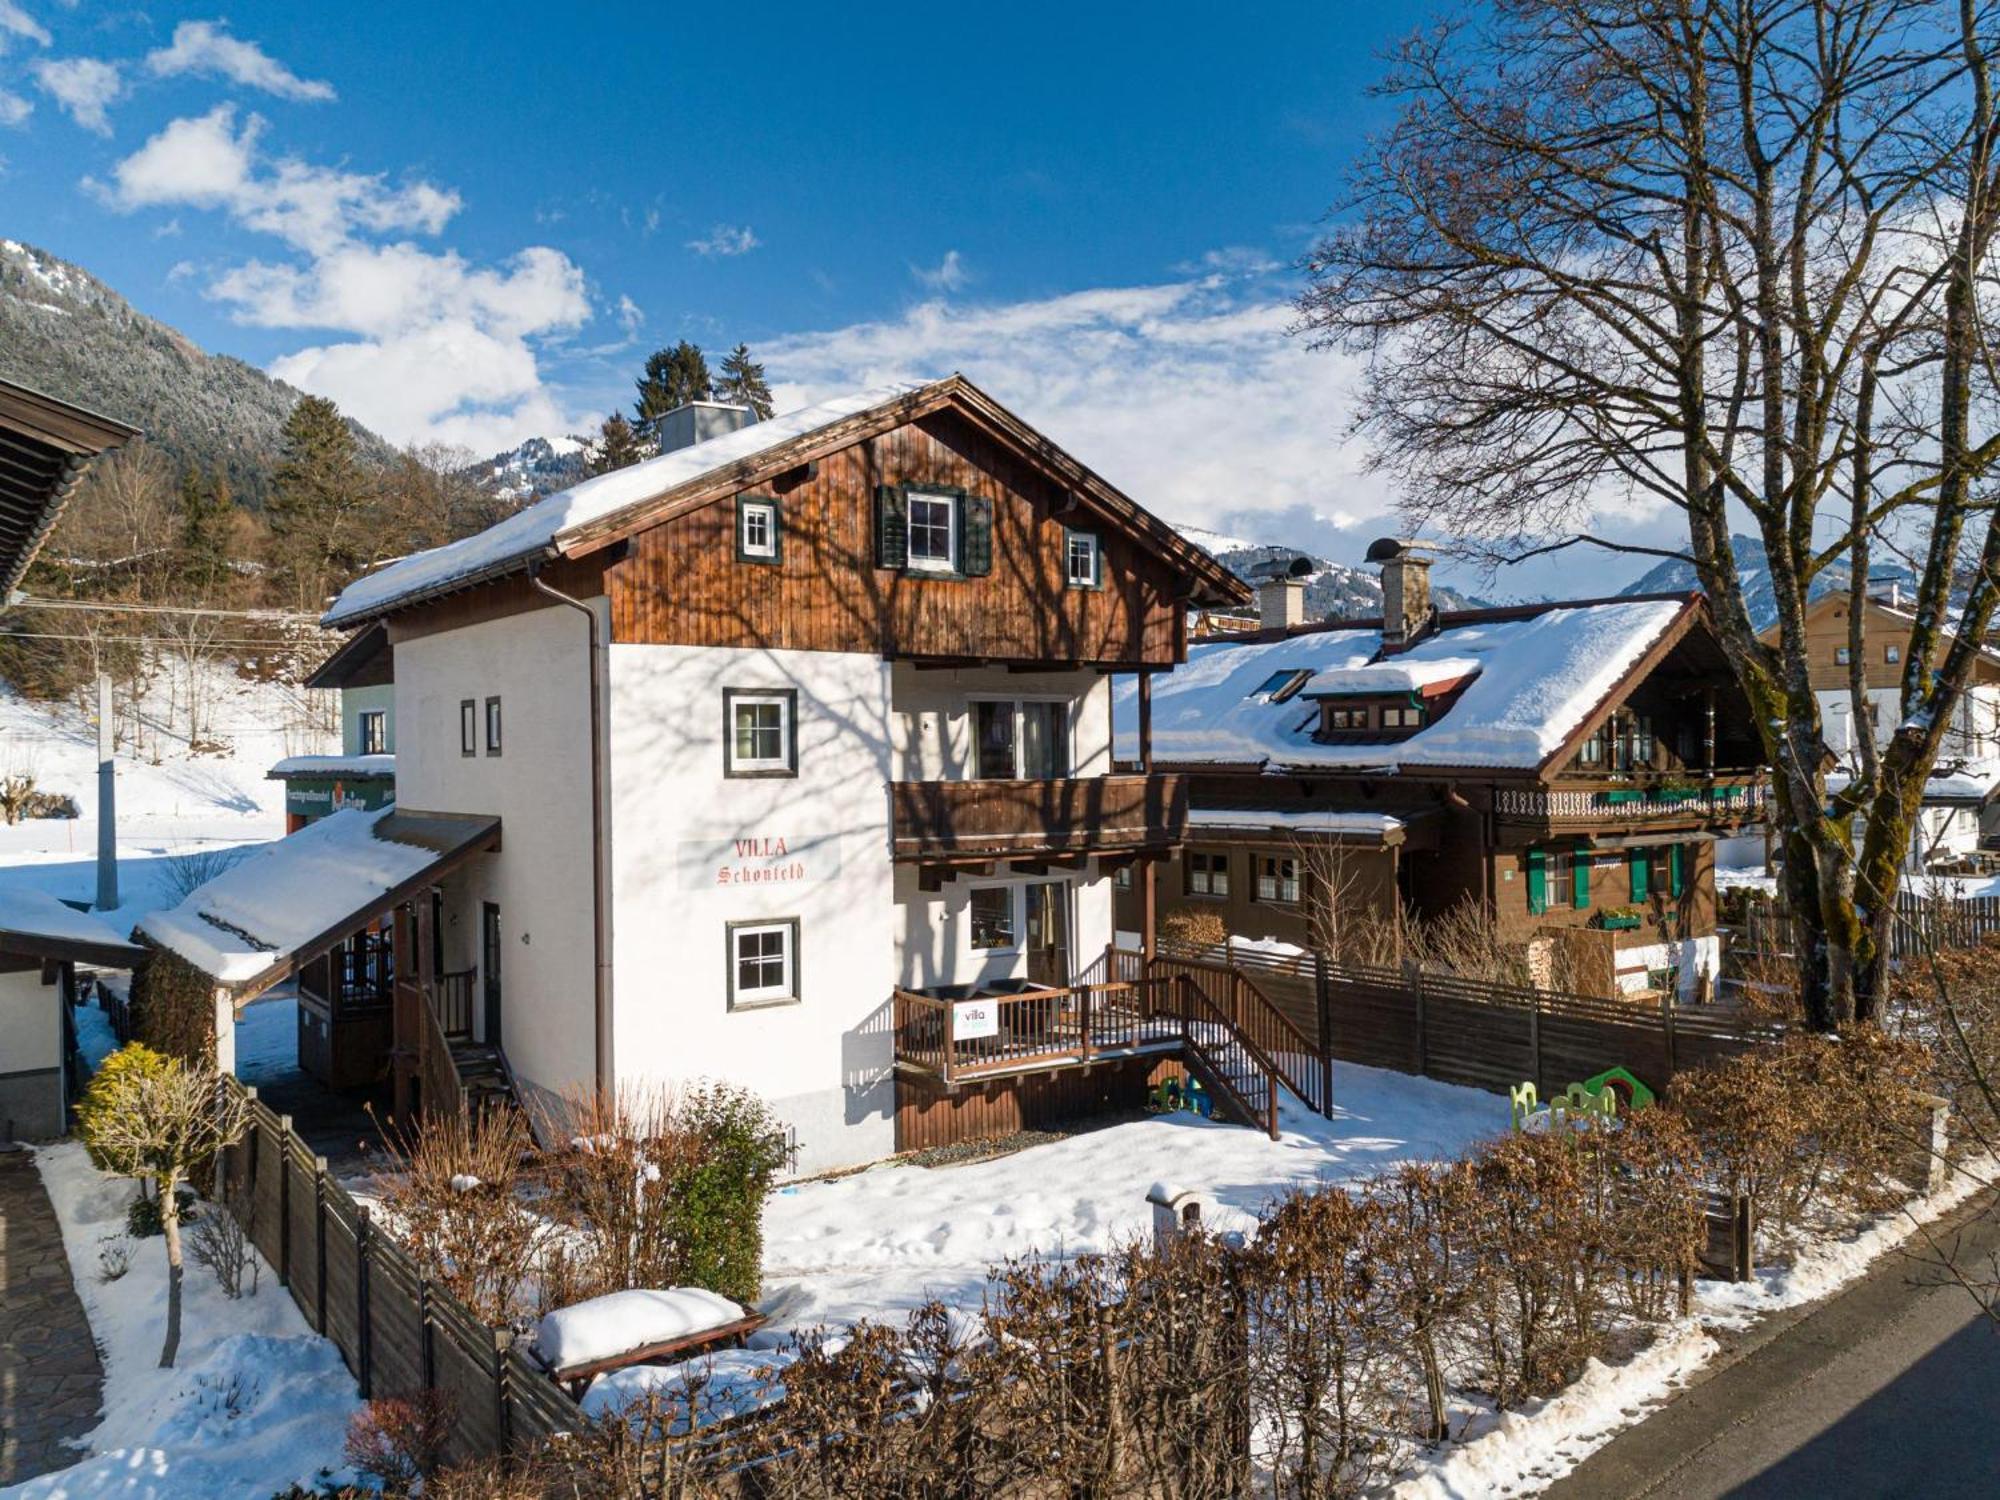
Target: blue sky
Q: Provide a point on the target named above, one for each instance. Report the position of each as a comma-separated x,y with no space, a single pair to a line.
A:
469,223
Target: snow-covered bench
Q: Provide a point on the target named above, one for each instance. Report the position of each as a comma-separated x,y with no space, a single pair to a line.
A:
621,1329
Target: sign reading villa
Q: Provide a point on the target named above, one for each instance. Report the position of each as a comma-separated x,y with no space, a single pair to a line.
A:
758,859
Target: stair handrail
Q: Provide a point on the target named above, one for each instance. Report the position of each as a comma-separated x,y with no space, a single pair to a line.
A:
438,1066
1186,988
1307,1088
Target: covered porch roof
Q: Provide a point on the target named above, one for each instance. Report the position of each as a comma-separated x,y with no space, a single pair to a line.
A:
1388,828
35,925
292,900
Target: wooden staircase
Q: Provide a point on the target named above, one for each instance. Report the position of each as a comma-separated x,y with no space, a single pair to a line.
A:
485,1081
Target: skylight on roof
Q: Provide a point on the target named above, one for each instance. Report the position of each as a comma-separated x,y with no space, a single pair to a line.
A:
1282,684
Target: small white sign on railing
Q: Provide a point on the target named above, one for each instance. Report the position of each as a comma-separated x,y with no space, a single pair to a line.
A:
973,1019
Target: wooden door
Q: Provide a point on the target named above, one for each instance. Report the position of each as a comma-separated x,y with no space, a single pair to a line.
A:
489,967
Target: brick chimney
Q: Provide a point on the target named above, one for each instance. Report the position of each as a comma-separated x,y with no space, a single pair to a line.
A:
1406,592
1281,603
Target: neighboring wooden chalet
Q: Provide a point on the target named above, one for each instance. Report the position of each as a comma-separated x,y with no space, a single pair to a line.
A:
1961,807
799,736
1563,768
363,774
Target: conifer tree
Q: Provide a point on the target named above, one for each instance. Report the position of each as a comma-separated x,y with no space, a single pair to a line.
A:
319,503
617,446
673,377
742,381
206,517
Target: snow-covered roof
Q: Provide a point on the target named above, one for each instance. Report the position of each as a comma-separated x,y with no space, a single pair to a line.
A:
537,529
1371,825
1952,782
333,765
1538,678
35,924
253,921
1397,674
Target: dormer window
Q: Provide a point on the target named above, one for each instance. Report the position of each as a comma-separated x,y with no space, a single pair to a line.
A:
1336,717
1402,718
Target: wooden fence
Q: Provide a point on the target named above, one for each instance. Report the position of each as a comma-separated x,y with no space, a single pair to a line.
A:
399,1332
1491,1036
1923,925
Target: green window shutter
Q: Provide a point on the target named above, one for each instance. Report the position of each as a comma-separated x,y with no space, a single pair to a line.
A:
1676,870
975,542
1538,883
892,528
1639,861
1580,863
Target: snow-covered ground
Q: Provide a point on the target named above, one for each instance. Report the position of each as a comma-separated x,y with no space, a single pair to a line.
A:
255,1401
880,1242
170,802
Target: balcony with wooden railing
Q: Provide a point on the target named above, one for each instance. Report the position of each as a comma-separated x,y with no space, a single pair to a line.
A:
964,1041
1076,814
1639,799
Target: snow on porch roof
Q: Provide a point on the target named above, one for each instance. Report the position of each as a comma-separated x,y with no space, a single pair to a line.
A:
289,901
34,924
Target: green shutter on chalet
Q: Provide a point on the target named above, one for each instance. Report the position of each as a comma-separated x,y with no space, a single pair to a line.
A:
1640,863
892,528
975,541
1538,883
1676,870
1580,862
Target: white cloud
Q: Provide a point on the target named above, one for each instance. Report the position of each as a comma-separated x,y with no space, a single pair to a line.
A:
15,21
723,239
630,316
948,275
203,47
84,86
1189,396
428,345
13,108
206,161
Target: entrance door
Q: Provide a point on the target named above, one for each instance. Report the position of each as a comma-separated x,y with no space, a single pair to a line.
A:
1048,933
489,955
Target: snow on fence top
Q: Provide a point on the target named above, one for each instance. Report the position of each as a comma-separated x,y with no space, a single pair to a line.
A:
535,530
620,1323
1535,681
264,908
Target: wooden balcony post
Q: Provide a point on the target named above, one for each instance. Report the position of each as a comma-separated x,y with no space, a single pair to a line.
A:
950,1039
1149,906
1083,1010
1146,723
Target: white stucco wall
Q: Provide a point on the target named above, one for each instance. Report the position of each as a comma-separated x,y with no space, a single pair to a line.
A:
824,1063
1974,731
537,663
934,930
30,1054
1693,957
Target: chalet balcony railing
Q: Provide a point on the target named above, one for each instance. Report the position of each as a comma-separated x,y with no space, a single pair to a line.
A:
1078,813
961,1041
1729,797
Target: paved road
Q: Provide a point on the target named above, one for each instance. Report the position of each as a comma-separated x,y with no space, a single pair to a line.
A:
51,1386
1891,1388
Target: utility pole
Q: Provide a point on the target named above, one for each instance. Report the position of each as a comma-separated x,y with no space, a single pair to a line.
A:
107,801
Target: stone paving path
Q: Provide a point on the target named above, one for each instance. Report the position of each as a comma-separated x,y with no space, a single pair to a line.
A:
51,1385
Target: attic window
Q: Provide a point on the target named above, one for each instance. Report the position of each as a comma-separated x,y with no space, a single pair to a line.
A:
1282,684
1336,716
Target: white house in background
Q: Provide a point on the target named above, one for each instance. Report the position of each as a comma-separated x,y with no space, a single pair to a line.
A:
747,739
1961,809
363,774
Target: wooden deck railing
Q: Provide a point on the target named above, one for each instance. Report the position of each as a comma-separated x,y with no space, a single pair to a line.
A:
454,1003
1036,1029
1027,817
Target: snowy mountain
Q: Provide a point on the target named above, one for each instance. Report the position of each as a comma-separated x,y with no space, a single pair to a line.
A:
1674,577
540,466
1333,590
65,332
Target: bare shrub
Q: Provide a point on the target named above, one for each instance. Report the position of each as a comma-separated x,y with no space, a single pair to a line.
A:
217,1241
400,1440
457,1197
1181,1368
1426,1249
1535,1301
114,1258
188,871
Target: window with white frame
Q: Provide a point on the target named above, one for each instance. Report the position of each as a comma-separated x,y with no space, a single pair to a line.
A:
1083,562
757,530
1206,872
1016,739
1277,878
995,923
763,963
761,732
373,727
933,532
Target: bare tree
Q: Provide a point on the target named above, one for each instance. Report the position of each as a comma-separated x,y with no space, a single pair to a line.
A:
1729,256
164,1123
